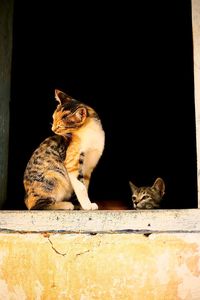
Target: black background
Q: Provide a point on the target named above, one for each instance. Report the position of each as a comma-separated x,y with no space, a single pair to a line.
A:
133,64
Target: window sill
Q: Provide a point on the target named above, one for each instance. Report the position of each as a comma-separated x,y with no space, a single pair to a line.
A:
101,221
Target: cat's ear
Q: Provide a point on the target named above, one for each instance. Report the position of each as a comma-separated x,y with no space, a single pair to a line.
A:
159,185
132,186
61,97
81,114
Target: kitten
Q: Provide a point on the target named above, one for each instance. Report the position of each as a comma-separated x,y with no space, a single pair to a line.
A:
63,164
148,197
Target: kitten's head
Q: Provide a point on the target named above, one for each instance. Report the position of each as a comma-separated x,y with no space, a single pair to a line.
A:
69,115
148,197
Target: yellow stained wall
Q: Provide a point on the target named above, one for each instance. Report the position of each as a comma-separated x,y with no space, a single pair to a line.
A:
101,266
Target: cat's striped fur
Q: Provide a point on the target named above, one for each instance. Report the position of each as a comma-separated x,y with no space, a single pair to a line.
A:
62,164
148,197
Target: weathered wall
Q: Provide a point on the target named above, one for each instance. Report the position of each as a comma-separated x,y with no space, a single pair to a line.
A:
139,255
101,266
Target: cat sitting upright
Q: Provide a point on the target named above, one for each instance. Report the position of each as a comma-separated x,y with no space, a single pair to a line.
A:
63,164
148,197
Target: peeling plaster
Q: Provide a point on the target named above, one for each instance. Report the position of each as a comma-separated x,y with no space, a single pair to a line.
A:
17,293
84,297
3,253
189,288
38,290
4,291
162,263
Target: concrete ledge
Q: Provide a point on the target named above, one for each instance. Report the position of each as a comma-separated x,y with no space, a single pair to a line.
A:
127,221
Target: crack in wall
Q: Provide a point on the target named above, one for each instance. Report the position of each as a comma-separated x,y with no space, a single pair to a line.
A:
52,246
89,250
77,254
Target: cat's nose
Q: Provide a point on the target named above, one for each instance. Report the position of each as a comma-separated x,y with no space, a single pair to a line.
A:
134,206
54,128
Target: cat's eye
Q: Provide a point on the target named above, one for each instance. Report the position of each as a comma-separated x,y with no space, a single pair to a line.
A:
145,197
64,117
133,198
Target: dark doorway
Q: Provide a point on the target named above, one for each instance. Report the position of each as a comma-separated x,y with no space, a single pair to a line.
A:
133,64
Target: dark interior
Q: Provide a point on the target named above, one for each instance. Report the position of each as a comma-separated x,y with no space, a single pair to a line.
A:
133,63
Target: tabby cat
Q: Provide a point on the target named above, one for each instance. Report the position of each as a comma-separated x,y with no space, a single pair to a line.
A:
148,197
62,164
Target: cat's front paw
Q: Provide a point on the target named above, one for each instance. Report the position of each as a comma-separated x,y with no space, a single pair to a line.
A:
90,206
94,206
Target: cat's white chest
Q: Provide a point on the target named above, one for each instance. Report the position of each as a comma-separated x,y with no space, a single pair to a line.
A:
92,139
